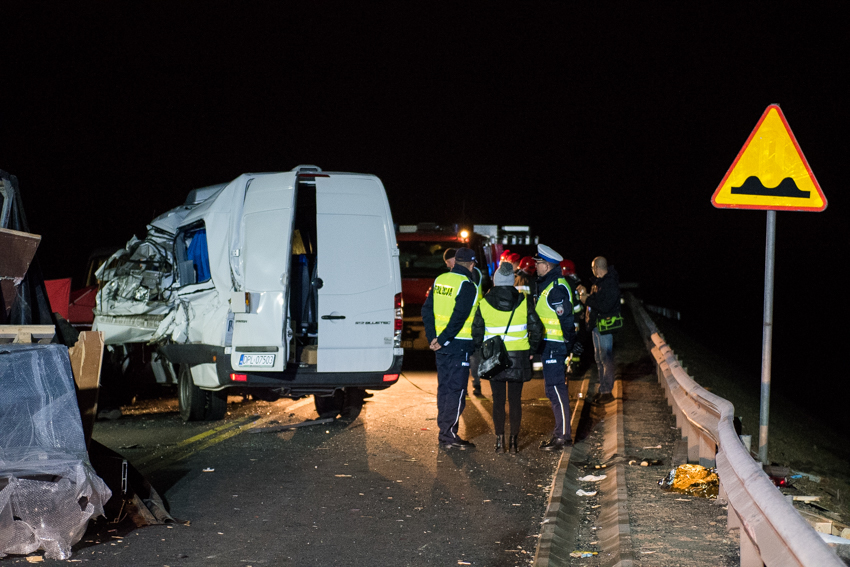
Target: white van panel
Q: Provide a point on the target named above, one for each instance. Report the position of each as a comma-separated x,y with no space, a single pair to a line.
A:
356,267
266,252
205,375
261,327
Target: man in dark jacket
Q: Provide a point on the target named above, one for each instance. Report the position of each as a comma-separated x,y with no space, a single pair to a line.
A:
507,312
447,315
602,302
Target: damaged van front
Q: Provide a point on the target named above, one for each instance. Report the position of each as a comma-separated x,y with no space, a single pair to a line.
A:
278,284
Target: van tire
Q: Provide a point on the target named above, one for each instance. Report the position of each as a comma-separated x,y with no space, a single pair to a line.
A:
354,398
329,406
191,399
216,406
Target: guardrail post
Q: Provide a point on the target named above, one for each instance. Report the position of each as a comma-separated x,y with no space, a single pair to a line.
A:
750,555
693,443
707,450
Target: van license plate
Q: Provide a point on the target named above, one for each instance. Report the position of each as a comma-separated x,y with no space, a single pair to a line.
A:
256,360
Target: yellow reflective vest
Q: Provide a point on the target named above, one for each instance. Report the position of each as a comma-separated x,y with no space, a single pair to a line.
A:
551,325
496,321
446,288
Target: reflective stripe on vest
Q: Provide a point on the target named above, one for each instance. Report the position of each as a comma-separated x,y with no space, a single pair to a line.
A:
446,288
551,325
495,322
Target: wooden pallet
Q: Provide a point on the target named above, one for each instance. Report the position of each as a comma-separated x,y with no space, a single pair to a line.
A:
42,334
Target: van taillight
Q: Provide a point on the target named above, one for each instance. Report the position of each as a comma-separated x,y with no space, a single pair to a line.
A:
399,323
239,377
390,377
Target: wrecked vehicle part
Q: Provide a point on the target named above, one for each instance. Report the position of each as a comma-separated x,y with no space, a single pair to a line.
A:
23,299
48,488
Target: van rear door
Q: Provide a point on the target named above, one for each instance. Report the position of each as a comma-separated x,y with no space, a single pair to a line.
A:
358,272
259,336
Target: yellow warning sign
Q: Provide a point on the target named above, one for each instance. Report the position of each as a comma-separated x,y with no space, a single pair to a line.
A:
770,172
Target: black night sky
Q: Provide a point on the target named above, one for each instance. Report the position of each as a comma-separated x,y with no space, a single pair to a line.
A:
607,129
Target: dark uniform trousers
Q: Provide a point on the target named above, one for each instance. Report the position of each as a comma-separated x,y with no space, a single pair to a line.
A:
554,377
452,379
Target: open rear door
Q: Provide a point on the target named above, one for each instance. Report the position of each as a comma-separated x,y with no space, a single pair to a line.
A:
355,266
259,334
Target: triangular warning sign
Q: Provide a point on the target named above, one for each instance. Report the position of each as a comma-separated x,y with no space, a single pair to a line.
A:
770,172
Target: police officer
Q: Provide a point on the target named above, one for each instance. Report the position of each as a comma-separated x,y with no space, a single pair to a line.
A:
555,308
447,313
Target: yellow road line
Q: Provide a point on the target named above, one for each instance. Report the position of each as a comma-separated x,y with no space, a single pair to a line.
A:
213,431
188,447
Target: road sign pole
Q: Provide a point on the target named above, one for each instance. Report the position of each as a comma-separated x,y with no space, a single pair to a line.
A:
767,334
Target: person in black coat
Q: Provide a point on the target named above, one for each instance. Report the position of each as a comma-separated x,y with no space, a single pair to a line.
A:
525,331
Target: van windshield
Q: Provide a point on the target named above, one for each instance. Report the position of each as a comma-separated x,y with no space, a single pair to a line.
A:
423,259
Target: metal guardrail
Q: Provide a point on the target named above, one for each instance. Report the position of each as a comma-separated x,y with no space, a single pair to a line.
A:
772,532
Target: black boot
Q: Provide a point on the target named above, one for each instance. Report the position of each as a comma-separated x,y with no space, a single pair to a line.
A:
513,445
500,443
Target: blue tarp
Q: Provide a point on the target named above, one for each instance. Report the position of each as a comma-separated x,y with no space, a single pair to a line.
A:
199,255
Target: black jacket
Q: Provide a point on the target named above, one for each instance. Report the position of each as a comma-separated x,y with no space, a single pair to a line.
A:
604,301
504,298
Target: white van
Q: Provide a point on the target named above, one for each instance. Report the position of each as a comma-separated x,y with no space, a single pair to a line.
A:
280,284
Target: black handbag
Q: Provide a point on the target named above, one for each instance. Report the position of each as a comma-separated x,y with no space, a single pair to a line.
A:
494,354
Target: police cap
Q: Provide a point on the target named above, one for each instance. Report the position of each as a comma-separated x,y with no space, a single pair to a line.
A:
464,255
546,254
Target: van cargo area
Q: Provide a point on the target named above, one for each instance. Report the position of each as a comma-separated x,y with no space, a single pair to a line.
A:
278,284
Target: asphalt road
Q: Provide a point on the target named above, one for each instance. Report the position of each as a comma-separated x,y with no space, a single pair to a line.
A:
375,490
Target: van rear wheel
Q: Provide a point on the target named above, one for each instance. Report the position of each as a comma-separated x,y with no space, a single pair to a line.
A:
216,405
190,398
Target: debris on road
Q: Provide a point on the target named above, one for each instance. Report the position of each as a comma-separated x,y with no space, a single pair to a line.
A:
592,478
292,425
583,553
646,462
208,469
581,492
806,498
692,480
811,477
